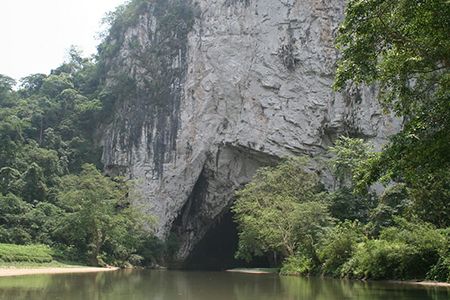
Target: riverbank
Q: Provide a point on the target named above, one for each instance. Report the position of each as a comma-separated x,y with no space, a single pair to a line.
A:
421,283
254,270
7,271
275,270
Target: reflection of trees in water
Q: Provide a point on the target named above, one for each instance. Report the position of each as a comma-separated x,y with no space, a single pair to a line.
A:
168,285
315,288
266,287
23,287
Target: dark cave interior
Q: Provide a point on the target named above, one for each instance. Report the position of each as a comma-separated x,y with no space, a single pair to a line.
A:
217,248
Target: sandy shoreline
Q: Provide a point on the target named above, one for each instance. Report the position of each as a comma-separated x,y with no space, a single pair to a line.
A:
253,270
5,272
423,283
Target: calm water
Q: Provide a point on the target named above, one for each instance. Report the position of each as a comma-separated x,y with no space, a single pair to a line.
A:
146,284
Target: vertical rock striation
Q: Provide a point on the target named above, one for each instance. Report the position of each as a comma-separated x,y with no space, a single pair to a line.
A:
219,89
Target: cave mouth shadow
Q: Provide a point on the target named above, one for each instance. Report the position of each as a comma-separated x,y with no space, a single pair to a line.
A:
216,250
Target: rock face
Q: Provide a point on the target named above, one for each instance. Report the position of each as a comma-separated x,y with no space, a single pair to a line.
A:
244,83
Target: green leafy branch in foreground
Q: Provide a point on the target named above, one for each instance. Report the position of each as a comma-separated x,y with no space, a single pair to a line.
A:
402,47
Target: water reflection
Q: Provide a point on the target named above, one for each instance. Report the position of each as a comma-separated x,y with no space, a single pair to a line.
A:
170,285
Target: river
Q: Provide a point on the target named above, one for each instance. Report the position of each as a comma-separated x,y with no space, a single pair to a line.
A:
173,285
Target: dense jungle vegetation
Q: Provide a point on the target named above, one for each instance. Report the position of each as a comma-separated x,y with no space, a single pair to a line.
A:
51,189
402,47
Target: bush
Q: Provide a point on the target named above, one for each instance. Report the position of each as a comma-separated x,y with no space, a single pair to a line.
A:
404,252
297,265
338,245
377,259
426,242
441,270
345,205
281,210
29,253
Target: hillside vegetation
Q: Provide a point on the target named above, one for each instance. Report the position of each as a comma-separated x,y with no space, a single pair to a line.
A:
402,48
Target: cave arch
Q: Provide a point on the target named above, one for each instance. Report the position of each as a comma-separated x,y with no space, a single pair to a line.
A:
216,250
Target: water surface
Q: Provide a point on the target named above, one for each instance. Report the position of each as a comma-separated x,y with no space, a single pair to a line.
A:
173,285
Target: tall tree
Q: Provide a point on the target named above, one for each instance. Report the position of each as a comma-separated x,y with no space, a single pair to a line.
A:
402,46
98,216
281,210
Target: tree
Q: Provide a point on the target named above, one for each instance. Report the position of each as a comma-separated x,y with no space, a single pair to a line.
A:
6,90
31,84
53,85
13,224
351,157
281,210
8,180
31,184
97,215
402,46
338,244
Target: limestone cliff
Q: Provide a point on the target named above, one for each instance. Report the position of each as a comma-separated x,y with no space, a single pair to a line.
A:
220,88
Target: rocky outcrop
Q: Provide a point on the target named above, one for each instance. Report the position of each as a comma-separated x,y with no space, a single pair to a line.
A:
240,85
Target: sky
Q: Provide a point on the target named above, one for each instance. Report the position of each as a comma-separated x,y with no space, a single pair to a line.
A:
35,35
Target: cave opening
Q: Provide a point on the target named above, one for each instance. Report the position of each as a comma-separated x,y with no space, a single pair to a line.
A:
217,249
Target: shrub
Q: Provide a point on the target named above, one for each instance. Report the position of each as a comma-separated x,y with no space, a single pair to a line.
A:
377,259
297,265
29,253
426,242
281,210
441,270
338,245
403,252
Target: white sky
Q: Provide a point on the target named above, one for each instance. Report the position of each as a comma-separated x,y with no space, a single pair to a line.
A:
36,34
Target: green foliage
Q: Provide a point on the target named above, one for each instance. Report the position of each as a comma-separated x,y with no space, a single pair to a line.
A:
338,245
297,265
393,202
377,259
430,196
404,252
402,47
13,223
31,184
47,135
54,85
346,205
351,157
98,220
441,270
6,90
281,210
174,20
29,253
395,43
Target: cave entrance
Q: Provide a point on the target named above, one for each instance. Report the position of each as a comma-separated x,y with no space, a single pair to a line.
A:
217,248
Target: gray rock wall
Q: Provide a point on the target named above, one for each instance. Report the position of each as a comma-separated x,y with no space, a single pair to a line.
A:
254,85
